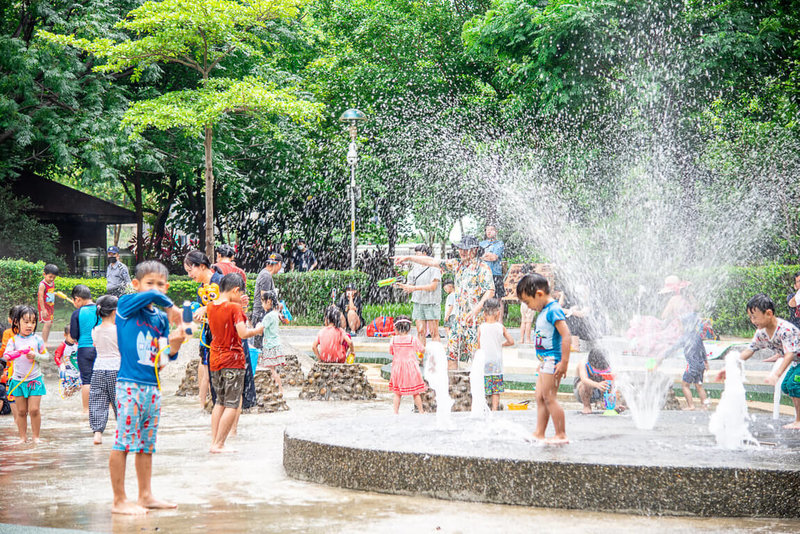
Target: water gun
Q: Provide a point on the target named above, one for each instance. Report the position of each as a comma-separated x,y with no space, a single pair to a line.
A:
286,315
13,355
188,312
609,395
61,295
389,281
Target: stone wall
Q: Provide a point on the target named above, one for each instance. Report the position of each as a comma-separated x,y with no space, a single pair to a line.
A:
337,381
268,396
459,392
189,386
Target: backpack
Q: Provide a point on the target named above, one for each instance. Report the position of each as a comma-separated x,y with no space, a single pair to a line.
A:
381,327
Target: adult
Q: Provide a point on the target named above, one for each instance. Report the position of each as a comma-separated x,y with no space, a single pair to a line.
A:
303,258
226,265
473,286
264,283
425,286
199,269
350,305
117,276
493,250
793,300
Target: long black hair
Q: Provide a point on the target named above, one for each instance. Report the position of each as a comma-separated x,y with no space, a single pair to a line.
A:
106,305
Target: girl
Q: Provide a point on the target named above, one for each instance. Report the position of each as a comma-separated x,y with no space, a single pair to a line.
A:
332,344
271,353
26,349
405,378
104,377
492,337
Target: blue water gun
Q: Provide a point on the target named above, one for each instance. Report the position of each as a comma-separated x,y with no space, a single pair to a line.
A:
610,396
286,315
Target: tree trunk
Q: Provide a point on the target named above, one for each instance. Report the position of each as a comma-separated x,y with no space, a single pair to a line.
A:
209,227
137,184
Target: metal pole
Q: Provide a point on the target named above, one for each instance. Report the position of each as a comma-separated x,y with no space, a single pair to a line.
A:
352,216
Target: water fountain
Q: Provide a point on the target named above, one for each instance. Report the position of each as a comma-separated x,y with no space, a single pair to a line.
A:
730,422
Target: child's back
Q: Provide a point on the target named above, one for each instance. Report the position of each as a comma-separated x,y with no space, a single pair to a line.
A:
227,351
492,338
332,345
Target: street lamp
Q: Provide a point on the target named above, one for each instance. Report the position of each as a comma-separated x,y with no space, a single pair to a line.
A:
352,117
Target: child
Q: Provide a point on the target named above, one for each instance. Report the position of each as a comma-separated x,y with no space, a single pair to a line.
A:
46,299
332,344
228,326
271,355
553,343
450,310
8,372
592,380
492,337
66,357
83,320
782,337
405,378
140,329
26,349
106,367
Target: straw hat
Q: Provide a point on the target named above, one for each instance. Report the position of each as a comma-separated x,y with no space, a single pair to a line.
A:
673,284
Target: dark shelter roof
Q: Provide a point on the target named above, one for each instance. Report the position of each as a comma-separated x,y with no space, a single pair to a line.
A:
58,203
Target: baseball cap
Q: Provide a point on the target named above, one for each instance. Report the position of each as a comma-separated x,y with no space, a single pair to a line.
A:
274,258
113,250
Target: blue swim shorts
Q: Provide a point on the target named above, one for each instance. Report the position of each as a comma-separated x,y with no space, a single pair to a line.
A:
138,412
28,388
791,382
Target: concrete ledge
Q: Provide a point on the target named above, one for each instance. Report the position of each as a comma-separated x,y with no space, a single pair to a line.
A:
605,468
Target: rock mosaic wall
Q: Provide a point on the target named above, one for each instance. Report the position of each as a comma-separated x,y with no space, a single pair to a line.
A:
459,392
189,386
337,381
268,396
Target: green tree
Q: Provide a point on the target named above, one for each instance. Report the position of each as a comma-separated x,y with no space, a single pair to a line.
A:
201,36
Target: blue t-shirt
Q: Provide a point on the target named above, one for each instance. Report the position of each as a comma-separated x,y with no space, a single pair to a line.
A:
548,339
138,331
495,247
81,324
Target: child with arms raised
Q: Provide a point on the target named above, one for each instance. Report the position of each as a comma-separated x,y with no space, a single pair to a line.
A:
26,349
405,378
553,343
140,329
782,337
228,326
332,344
492,337
106,367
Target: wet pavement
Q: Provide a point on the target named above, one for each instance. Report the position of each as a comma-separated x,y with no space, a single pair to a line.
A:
64,482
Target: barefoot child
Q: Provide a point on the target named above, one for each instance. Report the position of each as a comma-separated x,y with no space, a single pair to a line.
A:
140,329
228,326
492,337
271,352
83,320
106,367
553,343
46,299
66,357
26,349
594,378
405,378
7,374
782,337
332,344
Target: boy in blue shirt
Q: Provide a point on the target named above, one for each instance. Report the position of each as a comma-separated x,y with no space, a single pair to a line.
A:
81,324
140,329
553,342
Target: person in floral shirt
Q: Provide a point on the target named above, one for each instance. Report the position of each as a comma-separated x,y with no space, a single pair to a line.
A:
474,285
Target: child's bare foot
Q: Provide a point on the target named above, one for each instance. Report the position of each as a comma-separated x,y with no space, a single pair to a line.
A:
537,437
689,409
156,504
21,441
221,450
586,411
793,426
98,438
557,440
128,508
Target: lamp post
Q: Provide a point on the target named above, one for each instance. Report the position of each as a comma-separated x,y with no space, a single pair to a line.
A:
352,117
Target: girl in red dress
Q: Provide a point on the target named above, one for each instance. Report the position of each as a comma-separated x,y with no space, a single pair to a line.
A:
405,350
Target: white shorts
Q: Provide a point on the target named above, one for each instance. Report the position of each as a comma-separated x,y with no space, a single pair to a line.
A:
548,365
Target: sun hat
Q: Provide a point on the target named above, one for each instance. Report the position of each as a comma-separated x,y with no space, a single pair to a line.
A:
673,284
467,242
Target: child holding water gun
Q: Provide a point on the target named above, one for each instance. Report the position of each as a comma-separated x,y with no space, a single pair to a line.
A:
46,298
593,380
106,367
271,352
492,337
405,378
332,344
26,349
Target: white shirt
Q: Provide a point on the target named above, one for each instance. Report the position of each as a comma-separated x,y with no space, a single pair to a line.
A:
104,338
492,345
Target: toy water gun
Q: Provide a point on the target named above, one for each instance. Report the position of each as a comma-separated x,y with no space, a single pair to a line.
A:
610,394
188,312
389,281
61,295
209,293
285,315
13,355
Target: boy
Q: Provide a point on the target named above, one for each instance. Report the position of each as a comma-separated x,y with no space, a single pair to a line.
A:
66,358
782,337
81,324
228,326
492,337
140,330
553,341
46,299
450,311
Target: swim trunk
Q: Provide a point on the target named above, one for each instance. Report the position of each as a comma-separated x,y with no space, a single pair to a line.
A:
28,388
228,383
493,384
596,394
426,312
693,375
138,413
86,358
791,382
548,366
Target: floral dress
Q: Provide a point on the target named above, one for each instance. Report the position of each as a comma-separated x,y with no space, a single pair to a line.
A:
471,280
